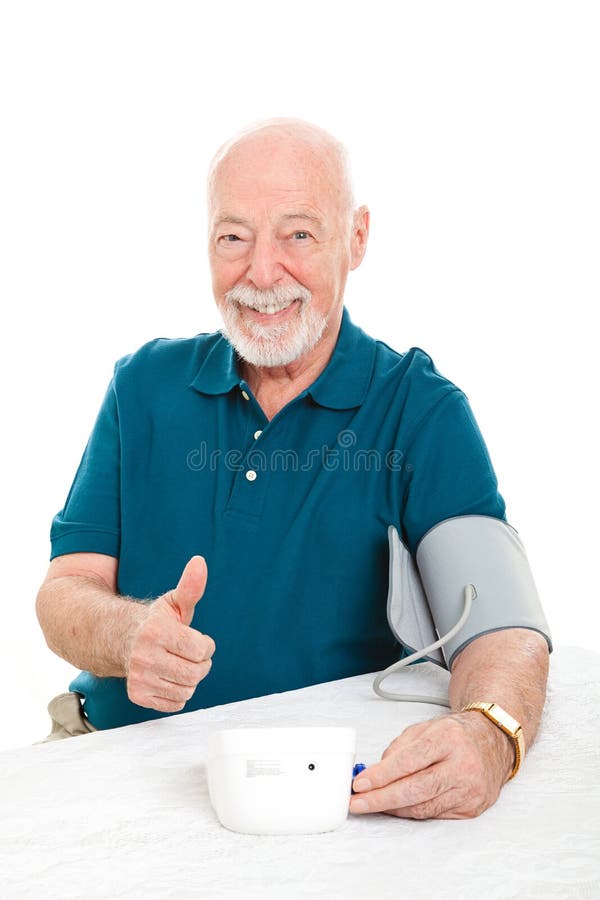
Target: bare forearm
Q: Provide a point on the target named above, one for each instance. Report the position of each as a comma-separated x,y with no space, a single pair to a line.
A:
87,624
508,667
454,766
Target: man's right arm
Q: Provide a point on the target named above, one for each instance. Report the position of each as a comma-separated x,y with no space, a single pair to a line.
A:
86,622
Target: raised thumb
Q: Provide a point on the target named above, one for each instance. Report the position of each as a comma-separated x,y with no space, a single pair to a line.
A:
189,589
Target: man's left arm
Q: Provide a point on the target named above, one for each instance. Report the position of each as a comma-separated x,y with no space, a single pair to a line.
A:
454,767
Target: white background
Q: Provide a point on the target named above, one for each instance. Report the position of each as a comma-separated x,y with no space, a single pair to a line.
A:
473,128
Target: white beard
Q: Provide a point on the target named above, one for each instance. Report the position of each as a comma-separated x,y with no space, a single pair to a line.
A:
271,345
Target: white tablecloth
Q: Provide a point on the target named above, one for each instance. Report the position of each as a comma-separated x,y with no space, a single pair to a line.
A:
126,813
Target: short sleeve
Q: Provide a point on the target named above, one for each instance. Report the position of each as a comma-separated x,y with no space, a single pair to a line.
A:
90,519
450,471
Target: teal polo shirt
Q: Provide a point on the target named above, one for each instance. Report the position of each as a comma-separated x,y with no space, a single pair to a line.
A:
290,514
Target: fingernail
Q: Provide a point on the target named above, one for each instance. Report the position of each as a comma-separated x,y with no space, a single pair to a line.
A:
362,784
358,805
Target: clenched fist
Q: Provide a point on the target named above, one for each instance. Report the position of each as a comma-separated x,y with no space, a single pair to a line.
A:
166,658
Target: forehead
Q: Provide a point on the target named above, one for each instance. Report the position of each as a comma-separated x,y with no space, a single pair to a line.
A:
271,172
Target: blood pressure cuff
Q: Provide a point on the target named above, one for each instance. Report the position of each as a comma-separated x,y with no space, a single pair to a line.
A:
426,597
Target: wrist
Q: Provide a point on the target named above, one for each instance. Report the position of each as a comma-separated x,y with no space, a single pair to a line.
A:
506,733
500,745
135,615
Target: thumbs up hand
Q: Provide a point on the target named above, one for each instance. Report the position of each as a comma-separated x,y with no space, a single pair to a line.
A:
166,659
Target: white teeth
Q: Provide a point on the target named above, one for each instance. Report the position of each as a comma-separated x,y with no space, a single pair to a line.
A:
270,310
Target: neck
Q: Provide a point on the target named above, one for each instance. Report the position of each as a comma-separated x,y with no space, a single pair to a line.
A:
276,386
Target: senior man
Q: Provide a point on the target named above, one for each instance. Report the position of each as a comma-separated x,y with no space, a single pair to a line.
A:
238,486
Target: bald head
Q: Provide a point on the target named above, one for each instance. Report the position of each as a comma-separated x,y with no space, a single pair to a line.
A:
283,236
272,139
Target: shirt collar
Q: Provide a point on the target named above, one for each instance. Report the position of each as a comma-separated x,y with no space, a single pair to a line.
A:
342,384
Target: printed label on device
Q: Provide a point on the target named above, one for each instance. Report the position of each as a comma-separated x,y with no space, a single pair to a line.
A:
256,767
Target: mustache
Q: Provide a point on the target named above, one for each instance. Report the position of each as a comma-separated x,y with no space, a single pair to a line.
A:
279,295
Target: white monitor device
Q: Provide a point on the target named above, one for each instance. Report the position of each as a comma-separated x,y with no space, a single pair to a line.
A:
281,780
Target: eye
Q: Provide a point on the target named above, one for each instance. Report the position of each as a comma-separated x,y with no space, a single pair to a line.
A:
230,238
301,235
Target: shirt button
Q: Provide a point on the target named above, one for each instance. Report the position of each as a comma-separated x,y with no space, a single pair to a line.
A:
245,395
257,434
251,475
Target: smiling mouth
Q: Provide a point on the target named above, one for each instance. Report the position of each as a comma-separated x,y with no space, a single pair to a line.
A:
272,310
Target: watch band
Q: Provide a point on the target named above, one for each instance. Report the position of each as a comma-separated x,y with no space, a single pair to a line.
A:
507,724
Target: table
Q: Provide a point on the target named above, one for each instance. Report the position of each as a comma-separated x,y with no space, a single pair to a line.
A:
126,813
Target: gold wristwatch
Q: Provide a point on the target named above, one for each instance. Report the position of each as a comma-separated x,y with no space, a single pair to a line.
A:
507,724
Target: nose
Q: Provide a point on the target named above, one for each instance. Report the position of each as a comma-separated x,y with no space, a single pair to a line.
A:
265,268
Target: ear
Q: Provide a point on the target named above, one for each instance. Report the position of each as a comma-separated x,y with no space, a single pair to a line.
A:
359,236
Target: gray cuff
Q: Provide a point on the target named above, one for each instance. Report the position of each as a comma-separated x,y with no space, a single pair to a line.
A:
426,599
